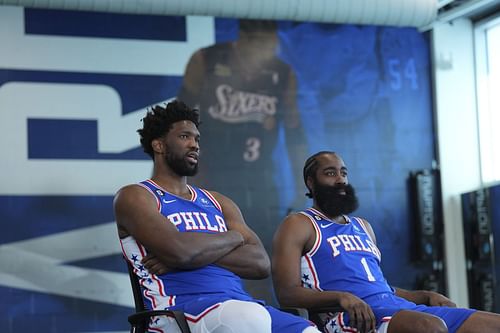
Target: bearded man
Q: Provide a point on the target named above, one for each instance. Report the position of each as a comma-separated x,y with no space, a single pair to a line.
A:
190,247
324,257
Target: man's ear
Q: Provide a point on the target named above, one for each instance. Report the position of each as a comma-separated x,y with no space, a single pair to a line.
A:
158,146
309,183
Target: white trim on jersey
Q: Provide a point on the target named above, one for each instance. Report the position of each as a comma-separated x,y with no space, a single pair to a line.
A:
155,292
307,257
193,193
317,212
158,203
307,266
323,216
317,241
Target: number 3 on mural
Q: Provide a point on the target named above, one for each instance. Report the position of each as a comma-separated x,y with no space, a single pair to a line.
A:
252,152
369,274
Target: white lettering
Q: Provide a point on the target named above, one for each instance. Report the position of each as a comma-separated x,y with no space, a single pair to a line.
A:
197,221
347,243
175,218
79,101
189,221
98,55
221,223
355,242
373,248
239,106
352,243
367,249
200,223
334,243
207,222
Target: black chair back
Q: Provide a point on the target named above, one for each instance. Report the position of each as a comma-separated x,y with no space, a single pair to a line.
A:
319,316
139,321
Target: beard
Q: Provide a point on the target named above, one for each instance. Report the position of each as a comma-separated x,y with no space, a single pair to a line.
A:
332,203
180,166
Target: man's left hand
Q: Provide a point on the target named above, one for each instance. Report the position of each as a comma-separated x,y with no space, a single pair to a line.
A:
436,299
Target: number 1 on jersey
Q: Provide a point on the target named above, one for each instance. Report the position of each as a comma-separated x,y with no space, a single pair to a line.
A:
369,274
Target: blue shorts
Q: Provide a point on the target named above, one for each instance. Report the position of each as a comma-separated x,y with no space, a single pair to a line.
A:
287,322
387,304
200,304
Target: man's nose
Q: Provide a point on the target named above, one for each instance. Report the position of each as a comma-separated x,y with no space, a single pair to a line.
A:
342,180
194,144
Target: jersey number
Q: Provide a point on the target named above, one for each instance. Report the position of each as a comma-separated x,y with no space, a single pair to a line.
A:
399,71
369,274
252,152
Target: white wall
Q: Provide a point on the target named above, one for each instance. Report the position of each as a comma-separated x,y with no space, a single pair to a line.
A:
457,135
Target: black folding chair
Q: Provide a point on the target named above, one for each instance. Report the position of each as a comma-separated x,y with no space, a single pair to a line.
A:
139,321
316,315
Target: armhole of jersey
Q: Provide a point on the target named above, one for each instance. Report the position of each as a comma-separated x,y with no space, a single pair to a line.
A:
212,198
317,233
362,225
158,203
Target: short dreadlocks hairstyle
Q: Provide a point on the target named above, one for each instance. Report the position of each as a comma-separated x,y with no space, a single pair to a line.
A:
310,168
159,120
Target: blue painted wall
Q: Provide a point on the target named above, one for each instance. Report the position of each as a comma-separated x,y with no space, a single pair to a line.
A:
73,87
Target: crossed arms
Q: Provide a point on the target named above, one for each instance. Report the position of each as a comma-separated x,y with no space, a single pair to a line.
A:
238,250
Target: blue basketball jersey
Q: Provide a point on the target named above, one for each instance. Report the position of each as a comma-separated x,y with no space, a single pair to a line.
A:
344,257
200,213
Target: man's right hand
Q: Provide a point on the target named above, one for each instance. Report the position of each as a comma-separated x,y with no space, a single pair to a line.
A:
238,236
154,265
360,314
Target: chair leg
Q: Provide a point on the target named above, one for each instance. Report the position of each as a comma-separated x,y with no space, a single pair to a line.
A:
138,329
181,321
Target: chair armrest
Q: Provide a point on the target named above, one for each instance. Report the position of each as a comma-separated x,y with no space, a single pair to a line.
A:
305,313
141,317
301,312
325,309
314,314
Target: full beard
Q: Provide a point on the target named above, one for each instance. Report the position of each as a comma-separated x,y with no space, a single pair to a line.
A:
331,202
180,166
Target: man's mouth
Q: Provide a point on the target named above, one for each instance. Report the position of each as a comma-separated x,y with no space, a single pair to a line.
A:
192,157
341,190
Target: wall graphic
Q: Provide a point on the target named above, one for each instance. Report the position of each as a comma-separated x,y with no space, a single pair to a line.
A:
364,92
73,88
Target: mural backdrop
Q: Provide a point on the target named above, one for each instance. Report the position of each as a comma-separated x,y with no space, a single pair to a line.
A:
74,86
